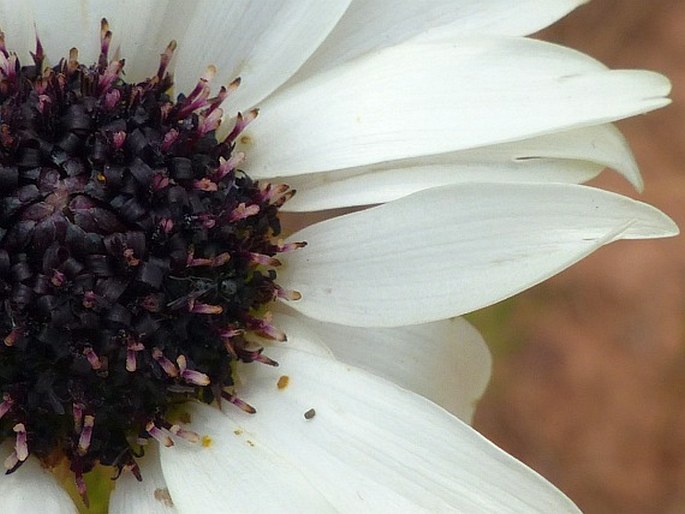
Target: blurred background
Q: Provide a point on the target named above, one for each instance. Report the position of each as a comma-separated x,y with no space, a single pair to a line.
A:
588,383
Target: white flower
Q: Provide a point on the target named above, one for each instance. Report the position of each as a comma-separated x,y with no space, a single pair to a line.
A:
476,136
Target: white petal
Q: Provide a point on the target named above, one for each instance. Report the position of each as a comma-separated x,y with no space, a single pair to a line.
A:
446,251
374,24
572,156
150,496
33,489
371,447
421,99
64,24
446,361
263,42
301,336
232,470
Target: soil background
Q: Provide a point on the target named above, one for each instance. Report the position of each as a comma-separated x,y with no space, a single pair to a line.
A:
589,376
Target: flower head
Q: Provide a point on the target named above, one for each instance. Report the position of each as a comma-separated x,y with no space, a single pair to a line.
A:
142,268
135,258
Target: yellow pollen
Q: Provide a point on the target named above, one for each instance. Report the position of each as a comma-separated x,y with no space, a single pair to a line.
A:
206,441
283,382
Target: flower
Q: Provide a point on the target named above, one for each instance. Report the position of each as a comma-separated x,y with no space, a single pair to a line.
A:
474,135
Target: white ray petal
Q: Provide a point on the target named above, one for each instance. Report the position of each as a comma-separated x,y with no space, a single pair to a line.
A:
421,99
301,336
150,496
573,156
263,42
246,477
374,24
446,361
446,251
64,24
33,489
370,447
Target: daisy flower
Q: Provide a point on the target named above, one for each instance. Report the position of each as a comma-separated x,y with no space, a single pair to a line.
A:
147,289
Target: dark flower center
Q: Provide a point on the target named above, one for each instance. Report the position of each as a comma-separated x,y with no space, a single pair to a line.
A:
136,260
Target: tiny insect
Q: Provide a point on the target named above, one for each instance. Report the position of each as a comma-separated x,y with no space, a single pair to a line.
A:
309,414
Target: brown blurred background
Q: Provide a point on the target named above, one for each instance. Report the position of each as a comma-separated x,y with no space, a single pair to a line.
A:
589,378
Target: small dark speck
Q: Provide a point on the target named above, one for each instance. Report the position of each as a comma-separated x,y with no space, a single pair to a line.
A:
309,414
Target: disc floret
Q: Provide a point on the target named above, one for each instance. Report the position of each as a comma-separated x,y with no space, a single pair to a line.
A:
136,259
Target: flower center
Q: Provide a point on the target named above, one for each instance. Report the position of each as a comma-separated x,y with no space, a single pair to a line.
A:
136,260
